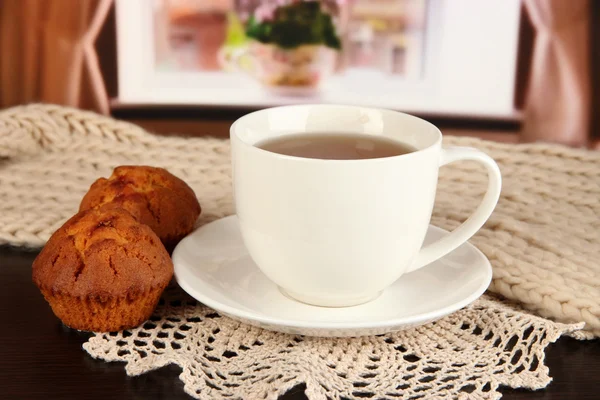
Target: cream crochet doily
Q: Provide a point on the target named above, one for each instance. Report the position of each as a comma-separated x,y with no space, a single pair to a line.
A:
466,355
543,241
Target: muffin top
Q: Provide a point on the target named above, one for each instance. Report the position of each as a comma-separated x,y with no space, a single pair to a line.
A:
102,253
154,196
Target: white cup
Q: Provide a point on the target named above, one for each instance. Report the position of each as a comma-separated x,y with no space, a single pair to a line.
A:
338,232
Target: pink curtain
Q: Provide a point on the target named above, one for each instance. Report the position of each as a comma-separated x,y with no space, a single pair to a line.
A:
47,52
557,108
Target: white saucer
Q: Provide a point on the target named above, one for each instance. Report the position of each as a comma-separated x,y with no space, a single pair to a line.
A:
213,266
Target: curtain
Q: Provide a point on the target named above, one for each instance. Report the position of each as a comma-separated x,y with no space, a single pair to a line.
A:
47,52
557,107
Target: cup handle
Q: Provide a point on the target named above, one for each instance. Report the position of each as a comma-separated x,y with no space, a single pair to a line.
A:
468,228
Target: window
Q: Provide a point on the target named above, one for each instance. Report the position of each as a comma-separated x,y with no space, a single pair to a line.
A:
452,57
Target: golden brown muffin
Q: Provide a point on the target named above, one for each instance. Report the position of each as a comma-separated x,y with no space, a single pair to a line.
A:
103,271
153,196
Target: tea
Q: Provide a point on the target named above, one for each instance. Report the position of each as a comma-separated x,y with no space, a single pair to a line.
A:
333,146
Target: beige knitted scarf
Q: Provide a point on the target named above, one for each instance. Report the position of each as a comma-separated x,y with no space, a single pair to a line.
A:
543,241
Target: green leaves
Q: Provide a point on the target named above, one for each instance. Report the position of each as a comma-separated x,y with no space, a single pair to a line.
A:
294,25
330,36
260,31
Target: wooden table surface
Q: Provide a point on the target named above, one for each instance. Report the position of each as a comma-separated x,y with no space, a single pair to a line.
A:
41,359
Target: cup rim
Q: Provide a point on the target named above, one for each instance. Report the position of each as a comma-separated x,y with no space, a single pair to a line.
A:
234,135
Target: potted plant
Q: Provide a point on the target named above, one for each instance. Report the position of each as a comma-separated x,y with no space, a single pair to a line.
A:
293,43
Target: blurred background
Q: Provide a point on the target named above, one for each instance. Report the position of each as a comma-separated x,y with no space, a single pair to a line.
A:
506,70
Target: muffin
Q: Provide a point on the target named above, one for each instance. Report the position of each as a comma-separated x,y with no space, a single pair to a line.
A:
103,271
153,196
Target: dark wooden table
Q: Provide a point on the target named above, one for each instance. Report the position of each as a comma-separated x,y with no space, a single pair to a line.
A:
41,359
